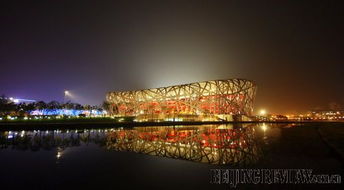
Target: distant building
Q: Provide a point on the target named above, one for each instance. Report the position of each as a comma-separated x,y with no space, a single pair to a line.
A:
327,114
210,100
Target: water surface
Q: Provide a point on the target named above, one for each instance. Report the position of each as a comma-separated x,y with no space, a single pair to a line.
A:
125,158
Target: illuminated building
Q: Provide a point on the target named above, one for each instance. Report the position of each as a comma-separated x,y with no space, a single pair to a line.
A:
201,101
68,112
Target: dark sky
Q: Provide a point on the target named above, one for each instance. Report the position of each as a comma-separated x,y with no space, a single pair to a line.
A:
293,50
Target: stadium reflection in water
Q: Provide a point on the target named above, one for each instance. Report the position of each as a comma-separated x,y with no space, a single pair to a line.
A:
214,144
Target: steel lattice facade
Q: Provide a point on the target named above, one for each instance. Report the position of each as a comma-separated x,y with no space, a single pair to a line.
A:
216,97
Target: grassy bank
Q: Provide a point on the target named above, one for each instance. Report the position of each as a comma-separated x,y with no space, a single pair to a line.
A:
106,122
76,123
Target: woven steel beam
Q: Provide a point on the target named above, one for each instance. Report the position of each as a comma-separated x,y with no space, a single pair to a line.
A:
233,96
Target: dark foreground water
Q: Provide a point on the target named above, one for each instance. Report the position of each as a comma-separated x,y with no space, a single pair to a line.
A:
179,157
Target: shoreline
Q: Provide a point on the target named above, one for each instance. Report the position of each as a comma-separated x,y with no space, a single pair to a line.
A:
30,125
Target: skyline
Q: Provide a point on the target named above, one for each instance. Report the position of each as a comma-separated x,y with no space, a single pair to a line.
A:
291,50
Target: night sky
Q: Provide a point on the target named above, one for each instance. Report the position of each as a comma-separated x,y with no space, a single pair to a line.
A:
292,50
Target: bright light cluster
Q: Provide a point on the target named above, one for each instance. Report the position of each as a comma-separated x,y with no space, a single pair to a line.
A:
69,112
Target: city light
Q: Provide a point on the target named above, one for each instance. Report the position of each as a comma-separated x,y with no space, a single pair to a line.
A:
66,94
19,100
262,112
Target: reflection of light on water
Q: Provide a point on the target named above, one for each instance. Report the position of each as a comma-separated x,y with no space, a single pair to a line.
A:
264,127
59,153
12,134
208,144
225,127
213,144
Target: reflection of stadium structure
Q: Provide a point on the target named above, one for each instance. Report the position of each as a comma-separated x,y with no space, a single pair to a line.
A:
209,100
208,145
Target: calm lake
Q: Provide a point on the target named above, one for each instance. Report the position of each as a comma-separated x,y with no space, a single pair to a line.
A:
175,157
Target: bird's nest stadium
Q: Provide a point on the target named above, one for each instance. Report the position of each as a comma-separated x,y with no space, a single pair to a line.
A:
200,101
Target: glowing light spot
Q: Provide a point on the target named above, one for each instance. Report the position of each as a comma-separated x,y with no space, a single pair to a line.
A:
262,112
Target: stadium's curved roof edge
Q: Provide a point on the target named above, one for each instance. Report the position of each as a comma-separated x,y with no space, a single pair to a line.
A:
187,84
